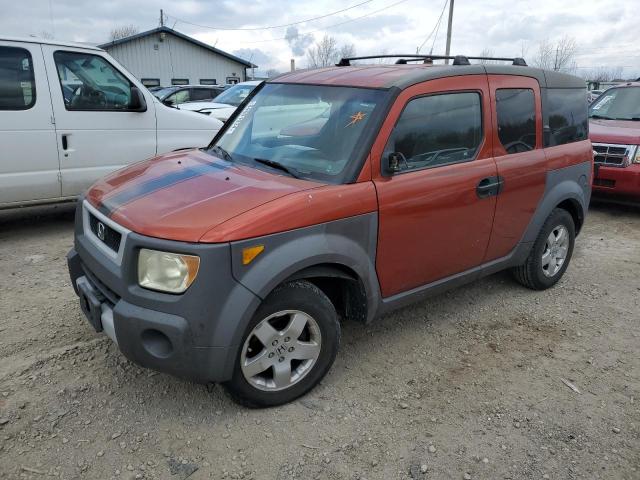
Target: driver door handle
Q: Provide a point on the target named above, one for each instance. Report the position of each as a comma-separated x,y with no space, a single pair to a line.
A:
489,186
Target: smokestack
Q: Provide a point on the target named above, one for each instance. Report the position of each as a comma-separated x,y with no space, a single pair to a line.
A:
293,64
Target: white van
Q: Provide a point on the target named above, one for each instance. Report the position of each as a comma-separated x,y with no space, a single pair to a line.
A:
69,114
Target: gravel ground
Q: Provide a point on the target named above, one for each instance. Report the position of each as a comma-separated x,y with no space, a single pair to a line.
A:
468,385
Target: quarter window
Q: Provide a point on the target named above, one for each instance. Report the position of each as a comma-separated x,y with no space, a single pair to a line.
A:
17,83
565,113
438,130
516,111
89,82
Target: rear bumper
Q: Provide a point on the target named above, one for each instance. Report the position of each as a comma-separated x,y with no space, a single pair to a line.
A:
195,335
618,182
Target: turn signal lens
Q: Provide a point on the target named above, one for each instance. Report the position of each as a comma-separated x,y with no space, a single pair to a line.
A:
249,253
166,272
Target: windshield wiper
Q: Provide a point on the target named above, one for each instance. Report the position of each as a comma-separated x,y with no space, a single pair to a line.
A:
273,164
221,151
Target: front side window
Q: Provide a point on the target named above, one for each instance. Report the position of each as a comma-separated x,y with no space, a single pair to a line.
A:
306,131
17,83
437,130
516,110
621,103
181,96
202,94
565,113
89,82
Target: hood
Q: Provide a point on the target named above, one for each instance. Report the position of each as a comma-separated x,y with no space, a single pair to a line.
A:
614,131
181,196
204,105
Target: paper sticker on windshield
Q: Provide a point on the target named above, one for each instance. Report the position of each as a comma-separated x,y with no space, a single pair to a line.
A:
355,118
603,102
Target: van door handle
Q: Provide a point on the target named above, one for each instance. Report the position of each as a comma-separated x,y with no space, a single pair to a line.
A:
65,142
489,186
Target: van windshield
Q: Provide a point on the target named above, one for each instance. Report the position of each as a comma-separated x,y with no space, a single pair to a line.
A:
622,103
312,131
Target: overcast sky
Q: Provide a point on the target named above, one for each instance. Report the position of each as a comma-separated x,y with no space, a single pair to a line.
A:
605,30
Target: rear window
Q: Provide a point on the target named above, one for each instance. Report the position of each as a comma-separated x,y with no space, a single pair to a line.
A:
516,111
17,84
565,112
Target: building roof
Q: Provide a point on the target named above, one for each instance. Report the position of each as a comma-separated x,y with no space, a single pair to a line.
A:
171,31
402,76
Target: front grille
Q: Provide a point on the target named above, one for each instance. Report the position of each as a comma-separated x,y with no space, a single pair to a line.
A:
612,155
110,237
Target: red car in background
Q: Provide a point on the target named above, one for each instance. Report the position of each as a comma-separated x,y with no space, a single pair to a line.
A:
614,129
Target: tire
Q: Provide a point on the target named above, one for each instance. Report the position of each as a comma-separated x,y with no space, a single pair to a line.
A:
536,273
271,342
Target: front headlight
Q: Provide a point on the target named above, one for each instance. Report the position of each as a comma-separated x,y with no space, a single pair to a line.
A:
636,157
166,272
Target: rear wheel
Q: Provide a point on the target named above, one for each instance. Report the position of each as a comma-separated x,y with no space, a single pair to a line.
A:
288,346
550,254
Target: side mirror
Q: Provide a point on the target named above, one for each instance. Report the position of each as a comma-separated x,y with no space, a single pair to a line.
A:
391,163
138,103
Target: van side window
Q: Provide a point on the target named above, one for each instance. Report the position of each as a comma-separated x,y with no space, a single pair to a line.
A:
438,130
565,116
516,110
17,82
89,82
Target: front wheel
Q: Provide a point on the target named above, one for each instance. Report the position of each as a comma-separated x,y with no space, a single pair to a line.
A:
288,346
550,254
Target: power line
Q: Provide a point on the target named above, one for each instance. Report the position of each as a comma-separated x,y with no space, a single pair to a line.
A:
273,26
329,26
434,27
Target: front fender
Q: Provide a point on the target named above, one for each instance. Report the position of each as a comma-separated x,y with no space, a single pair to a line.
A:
350,242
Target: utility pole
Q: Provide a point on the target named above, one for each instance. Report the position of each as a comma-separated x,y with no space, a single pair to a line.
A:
448,49
161,18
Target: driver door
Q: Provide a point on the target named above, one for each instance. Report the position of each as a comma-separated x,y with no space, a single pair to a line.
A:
96,133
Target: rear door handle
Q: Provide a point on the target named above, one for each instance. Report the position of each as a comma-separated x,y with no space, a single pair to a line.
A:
489,186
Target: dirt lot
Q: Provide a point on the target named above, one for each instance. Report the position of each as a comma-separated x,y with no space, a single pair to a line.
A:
466,385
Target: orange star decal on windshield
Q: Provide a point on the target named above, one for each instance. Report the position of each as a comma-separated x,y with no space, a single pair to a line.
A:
355,118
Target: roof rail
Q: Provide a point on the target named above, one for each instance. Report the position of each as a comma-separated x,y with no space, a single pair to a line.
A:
457,59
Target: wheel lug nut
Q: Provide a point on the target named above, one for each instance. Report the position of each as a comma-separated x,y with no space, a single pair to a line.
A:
281,359
274,343
286,339
291,349
271,355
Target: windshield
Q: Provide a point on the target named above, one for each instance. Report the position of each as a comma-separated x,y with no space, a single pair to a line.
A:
311,131
235,95
163,92
622,103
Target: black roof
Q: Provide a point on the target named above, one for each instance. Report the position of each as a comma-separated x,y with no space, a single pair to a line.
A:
179,35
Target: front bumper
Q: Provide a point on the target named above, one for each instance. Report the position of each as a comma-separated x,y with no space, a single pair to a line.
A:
195,335
617,182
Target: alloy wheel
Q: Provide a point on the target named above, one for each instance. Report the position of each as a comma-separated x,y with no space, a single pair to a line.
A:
555,250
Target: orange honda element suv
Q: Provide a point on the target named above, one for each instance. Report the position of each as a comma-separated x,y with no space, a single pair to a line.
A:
333,194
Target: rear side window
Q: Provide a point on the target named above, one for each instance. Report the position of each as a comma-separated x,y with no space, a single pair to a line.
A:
202,94
516,110
565,112
438,130
17,83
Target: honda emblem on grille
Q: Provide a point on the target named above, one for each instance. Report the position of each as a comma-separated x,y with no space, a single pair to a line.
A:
101,231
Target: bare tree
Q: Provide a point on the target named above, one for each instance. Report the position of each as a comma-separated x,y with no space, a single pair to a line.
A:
324,53
603,74
123,32
347,50
486,52
558,56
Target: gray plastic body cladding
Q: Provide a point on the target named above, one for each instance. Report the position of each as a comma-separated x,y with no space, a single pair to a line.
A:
570,183
350,242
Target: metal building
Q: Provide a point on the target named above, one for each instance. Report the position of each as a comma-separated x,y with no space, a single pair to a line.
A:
163,56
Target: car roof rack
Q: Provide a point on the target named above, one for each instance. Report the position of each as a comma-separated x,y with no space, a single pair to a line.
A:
428,59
